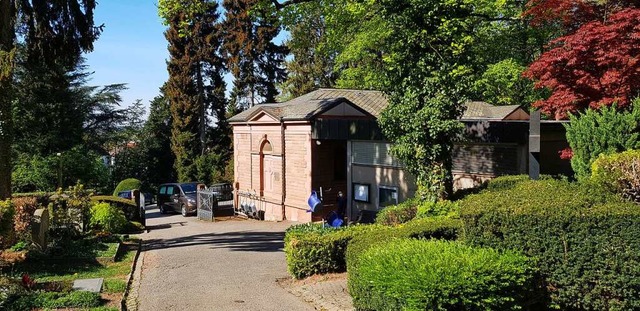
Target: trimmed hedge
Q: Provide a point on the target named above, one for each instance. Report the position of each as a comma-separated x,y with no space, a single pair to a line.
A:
52,300
440,208
587,242
127,184
406,274
312,250
398,214
426,228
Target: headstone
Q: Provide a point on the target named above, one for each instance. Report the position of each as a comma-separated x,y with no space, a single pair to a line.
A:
88,285
40,228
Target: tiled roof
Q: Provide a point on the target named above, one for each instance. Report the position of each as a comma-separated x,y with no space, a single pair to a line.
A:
315,103
482,110
312,104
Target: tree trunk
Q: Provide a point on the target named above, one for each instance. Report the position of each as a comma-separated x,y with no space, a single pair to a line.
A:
7,52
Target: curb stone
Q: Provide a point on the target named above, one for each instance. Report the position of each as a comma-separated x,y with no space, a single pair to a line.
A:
129,299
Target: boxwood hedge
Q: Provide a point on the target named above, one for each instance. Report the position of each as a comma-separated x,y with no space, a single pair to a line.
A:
409,274
587,242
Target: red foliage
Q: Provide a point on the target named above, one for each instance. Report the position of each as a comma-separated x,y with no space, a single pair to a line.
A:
28,282
574,13
597,65
566,153
25,207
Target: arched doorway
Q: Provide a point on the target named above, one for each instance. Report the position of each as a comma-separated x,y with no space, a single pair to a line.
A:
266,150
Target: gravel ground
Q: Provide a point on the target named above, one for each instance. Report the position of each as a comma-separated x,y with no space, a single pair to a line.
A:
188,264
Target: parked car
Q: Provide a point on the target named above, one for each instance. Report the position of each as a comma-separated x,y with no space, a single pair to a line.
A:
127,194
148,198
178,197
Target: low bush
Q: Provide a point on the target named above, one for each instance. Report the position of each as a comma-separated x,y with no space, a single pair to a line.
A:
70,210
312,250
7,234
398,214
406,274
24,209
52,300
127,206
426,228
10,290
586,241
618,172
437,209
108,218
127,184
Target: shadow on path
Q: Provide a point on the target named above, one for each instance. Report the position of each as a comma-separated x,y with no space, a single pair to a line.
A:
243,241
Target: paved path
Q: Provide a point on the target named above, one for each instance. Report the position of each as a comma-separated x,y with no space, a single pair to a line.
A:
229,265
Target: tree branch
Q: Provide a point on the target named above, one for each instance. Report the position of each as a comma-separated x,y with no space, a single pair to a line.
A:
281,5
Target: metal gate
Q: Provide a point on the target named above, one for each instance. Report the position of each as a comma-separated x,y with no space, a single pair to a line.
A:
206,204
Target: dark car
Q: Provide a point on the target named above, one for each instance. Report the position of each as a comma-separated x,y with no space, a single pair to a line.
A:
127,194
178,197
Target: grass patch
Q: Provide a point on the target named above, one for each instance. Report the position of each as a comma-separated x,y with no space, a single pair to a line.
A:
114,285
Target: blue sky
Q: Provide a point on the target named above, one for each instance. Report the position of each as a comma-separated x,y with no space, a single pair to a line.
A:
132,48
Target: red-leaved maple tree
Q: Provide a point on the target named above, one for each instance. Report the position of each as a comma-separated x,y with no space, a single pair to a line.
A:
598,64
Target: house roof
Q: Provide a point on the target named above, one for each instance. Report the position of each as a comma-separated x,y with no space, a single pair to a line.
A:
310,105
315,103
481,110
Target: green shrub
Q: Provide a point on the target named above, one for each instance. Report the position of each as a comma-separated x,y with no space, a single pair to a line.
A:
407,274
70,209
10,290
108,218
619,172
7,234
586,242
129,207
311,250
127,184
397,214
606,130
436,209
425,228
50,300
510,181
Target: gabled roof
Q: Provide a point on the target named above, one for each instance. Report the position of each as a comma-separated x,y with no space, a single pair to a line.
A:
310,105
480,110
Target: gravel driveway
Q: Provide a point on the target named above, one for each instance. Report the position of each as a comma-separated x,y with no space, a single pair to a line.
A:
227,265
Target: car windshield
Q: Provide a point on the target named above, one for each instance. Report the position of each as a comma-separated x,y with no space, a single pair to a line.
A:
189,188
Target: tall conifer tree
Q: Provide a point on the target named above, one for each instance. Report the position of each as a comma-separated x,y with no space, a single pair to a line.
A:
195,84
254,60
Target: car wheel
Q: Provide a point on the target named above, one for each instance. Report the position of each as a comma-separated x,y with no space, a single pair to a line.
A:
162,211
183,210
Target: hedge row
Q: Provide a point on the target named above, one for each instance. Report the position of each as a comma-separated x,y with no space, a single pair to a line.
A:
129,207
409,274
411,209
311,249
587,242
315,250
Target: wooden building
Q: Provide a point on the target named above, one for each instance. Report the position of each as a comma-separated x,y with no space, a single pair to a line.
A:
329,141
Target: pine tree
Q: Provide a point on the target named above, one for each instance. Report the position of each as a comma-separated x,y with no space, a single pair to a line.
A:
254,60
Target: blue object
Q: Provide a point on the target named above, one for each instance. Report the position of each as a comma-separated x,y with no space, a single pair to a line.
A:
313,202
333,220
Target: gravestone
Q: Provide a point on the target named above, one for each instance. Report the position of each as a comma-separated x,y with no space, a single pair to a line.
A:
40,228
88,285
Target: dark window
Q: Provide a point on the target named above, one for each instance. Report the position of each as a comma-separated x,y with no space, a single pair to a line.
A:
387,196
189,188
